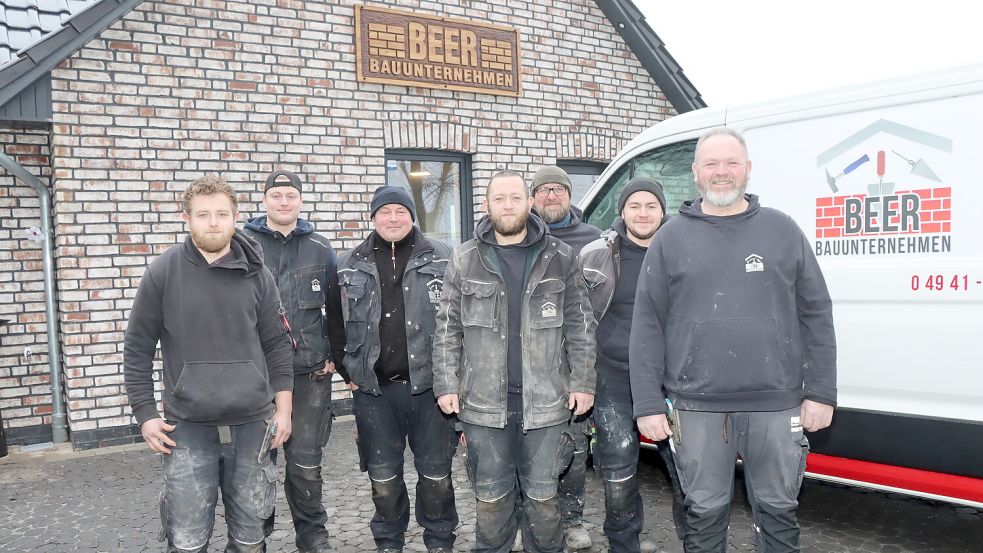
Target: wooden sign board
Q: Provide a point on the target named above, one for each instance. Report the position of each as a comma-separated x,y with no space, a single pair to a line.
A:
404,48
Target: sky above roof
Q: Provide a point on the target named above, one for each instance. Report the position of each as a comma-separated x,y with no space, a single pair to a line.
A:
740,52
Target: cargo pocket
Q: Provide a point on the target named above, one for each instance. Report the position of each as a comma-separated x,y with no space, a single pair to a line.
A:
313,345
165,519
269,498
799,456
478,303
564,454
471,467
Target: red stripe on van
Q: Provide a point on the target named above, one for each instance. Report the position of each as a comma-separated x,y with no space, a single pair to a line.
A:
948,485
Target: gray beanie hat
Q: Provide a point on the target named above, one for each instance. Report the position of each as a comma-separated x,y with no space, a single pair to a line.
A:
641,184
385,195
548,174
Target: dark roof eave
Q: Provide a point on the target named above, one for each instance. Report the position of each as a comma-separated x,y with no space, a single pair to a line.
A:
652,53
43,56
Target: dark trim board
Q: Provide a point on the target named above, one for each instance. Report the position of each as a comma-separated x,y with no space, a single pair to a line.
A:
934,444
28,435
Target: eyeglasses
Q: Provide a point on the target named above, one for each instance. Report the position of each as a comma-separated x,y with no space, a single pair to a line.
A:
558,191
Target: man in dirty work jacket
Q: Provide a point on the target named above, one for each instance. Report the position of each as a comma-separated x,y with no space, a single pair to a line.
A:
733,324
514,358
226,360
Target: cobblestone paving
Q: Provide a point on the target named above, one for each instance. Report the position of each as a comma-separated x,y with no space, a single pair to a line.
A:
106,501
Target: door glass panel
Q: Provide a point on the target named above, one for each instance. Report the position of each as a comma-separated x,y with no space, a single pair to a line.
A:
436,190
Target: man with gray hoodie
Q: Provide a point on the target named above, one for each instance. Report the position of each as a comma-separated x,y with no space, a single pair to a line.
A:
213,307
732,341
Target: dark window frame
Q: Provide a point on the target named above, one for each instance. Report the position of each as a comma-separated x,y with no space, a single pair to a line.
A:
466,193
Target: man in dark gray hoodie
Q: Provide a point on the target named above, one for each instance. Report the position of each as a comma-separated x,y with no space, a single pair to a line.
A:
732,337
213,307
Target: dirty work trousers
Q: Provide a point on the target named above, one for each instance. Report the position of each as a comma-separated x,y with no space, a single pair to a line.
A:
384,423
302,483
773,448
616,457
204,461
503,462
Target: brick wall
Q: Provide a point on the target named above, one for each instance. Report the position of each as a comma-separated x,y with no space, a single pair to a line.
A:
174,91
25,392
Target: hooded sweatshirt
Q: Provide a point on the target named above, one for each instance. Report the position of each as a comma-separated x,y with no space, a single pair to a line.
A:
614,328
515,260
731,314
225,352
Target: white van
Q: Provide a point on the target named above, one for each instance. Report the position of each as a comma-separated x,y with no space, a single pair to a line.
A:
886,180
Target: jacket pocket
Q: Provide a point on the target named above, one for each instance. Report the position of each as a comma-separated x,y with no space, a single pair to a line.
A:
479,303
353,288
209,391
310,283
546,304
313,345
734,355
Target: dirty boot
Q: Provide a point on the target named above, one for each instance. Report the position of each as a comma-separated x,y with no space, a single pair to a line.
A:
648,546
576,537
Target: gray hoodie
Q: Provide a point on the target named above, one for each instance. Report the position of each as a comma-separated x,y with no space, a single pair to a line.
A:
731,314
225,352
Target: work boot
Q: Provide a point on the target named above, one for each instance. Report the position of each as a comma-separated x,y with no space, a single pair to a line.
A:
648,546
440,550
576,537
517,544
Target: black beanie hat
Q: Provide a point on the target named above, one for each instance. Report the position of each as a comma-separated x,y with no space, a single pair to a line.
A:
292,180
385,195
641,184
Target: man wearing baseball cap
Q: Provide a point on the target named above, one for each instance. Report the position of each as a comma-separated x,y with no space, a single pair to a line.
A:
304,266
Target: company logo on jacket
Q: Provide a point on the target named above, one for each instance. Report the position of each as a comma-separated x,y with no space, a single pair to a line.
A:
435,288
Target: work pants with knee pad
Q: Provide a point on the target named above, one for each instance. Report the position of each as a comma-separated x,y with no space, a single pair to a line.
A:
504,462
208,458
573,480
616,457
384,424
773,448
311,426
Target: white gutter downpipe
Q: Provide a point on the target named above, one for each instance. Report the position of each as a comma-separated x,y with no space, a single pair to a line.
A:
59,419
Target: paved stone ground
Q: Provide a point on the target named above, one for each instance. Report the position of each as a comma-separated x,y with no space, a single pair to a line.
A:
106,501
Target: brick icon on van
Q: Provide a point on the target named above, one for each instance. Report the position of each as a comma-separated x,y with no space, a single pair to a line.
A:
881,159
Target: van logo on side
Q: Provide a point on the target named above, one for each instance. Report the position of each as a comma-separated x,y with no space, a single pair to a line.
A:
902,205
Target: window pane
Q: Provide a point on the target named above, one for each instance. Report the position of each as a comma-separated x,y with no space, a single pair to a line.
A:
670,165
581,184
436,190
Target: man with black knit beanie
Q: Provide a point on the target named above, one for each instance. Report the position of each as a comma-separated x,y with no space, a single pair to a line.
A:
391,285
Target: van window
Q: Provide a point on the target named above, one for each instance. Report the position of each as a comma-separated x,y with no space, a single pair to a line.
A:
671,165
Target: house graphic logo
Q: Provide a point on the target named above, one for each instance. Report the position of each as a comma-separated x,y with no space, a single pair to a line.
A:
754,264
549,310
315,285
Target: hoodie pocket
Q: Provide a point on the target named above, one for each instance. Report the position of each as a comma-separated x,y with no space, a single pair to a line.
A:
734,356
209,391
